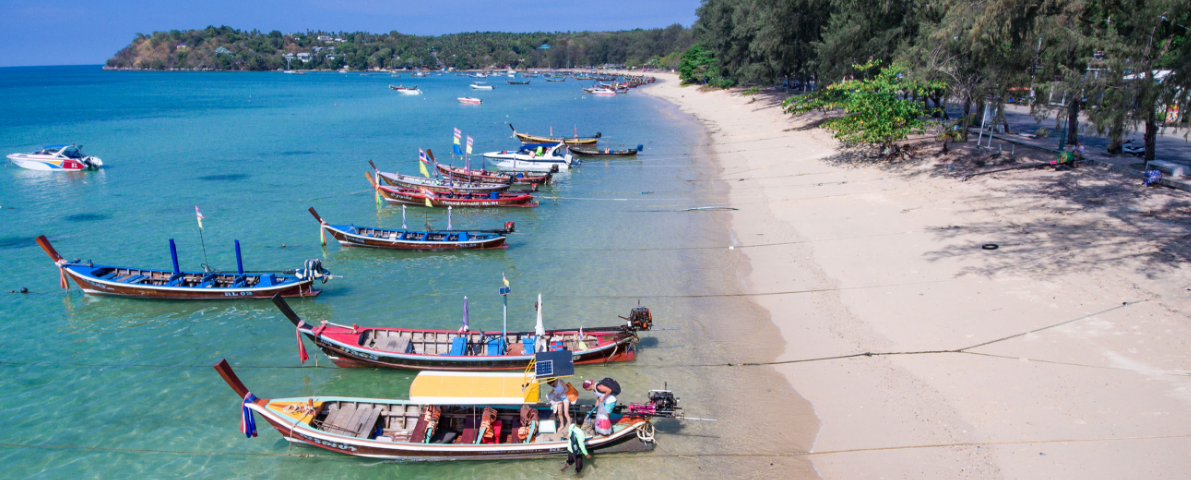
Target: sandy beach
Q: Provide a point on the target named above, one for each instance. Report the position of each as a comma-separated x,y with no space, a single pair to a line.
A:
1063,353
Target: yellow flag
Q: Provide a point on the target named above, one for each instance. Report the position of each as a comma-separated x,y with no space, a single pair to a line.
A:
422,166
428,204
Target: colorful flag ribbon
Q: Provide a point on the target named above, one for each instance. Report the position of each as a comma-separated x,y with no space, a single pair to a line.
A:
458,136
469,145
301,347
503,279
199,215
247,421
422,162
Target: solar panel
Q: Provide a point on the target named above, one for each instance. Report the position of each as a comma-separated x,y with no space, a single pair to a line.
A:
554,364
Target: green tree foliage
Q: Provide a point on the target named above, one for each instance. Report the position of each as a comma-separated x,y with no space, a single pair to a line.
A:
696,64
254,50
875,109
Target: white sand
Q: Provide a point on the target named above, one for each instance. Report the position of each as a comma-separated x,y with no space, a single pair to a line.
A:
894,257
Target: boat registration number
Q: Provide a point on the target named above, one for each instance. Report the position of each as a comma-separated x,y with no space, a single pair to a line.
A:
237,294
327,443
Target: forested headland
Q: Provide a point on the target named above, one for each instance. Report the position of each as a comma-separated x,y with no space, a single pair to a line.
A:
1125,64
225,48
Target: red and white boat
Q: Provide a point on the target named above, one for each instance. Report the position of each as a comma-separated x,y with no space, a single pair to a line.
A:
470,100
422,197
61,158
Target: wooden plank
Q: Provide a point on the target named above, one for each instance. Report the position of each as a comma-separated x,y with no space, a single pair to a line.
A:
340,422
354,425
367,423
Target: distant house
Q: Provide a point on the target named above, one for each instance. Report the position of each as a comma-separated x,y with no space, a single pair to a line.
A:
325,38
317,49
304,56
544,47
340,40
181,46
330,57
223,50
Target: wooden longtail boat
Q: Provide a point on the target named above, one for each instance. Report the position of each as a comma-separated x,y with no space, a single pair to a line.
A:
488,176
407,196
595,152
421,183
449,416
527,138
353,236
179,285
510,82
420,349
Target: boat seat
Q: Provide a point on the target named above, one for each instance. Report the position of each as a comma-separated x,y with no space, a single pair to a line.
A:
398,344
367,422
458,347
337,421
133,279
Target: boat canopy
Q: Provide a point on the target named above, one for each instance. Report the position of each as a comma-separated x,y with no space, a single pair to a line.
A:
534,146
473,388
54,147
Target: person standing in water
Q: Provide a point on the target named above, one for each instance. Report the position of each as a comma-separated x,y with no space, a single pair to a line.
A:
576,448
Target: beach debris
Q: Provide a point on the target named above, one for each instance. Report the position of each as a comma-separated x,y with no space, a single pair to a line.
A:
696,209
990,246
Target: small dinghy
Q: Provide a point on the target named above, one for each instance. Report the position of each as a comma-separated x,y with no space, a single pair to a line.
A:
421,197
476,86
422,349
405,90
470,100
452,416
179,285
406,239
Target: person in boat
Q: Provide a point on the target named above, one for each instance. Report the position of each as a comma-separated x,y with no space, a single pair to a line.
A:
605,391
560,401
576,448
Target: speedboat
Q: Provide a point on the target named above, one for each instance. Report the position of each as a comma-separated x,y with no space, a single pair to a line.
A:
528,158
405,90
470,100
56,158
476,86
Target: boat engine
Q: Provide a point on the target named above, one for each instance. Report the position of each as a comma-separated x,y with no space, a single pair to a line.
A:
640,319
314,269
510,227
662,403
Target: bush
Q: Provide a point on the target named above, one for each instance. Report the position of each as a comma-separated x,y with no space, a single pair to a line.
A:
1042,132
751,91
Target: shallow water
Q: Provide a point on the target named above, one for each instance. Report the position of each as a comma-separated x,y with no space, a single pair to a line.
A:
127,384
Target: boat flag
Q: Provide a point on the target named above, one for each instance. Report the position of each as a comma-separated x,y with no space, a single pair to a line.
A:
503,279
449,219
247,421
456,147
199,214
539,330
458,136
301,348
428,194
469,145
422,162
403,227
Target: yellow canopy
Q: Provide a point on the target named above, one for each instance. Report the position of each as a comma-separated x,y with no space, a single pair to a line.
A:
472,388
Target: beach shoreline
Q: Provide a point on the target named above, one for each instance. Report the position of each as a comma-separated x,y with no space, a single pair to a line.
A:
973,372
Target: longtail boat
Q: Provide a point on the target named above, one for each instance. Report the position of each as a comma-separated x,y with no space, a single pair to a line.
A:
451,416
527,138
408,196
178,285
405,239
421,183
489,176
607,152
422,349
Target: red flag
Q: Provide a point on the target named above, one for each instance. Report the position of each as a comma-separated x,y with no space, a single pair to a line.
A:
301,348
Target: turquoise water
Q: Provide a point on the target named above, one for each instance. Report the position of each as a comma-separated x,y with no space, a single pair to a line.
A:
105,387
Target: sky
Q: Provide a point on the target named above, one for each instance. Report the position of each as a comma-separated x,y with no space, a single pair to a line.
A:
78,32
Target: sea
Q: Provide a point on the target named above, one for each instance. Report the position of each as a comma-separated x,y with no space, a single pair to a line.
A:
103,387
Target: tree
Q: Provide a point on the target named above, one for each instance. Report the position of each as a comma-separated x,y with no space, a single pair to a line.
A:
875,111
697,64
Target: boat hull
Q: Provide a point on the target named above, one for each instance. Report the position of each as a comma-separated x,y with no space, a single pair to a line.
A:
97,286
526,138
298,432
406,197
494,177
48,165
515,164
405,181
348,239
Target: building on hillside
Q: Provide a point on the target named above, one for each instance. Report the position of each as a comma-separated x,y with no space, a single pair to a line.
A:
325,38
304,56
181,46
223,50
544,47
317,49
330,57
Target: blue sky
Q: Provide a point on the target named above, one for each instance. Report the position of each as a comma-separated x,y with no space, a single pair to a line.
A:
73,32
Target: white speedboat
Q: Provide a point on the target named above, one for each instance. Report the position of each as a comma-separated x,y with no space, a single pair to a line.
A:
476,86
533,157
470,100
56,158
406,90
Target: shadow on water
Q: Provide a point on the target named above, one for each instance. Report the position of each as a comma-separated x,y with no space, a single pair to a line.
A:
16,242
297,152
86,217
225,177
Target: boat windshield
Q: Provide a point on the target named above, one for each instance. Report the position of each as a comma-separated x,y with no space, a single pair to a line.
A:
71,152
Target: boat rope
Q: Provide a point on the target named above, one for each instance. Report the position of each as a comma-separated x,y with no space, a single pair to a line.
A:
646,432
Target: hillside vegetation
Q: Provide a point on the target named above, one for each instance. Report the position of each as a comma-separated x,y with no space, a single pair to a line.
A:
225,48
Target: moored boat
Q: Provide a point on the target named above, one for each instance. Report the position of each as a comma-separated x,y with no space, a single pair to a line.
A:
408,196
577,140
59,158
422,183
425,349
414,90
510,82
470,100
450,416
532,157
476,86
406,239
607,152
488,176
178,285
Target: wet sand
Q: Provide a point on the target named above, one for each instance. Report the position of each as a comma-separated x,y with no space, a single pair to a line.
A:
1062,354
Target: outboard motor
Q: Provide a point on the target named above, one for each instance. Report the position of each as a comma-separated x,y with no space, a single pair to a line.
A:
314,269
510,227
554,169
662,403
640,319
